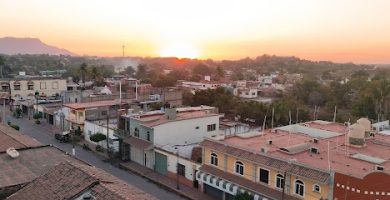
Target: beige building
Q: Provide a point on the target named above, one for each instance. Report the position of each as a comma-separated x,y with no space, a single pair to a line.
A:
25,87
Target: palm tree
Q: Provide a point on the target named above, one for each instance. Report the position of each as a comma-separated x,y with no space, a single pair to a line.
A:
83,71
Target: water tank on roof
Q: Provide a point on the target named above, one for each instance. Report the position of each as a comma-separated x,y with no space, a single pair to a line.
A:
365,123
356,134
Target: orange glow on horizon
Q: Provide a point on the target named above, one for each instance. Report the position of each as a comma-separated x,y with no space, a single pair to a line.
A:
335,30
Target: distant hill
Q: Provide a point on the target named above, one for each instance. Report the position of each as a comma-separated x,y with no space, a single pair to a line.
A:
11,45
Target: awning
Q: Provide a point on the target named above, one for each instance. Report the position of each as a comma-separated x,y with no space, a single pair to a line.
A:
137,142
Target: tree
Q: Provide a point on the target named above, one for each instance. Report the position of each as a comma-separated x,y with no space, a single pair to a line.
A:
97,137
97,76
83,72
142,70
129,71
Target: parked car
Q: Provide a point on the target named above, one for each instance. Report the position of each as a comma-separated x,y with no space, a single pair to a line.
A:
63,136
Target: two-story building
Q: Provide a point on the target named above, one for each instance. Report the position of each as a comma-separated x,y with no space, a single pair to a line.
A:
313,160
154,138
75,114
25,87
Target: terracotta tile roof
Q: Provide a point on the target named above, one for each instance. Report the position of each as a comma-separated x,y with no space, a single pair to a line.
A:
71,180
257,187
139,143
293,168
9,137
30,164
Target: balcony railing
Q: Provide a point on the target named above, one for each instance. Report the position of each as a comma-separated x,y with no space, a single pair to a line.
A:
121,133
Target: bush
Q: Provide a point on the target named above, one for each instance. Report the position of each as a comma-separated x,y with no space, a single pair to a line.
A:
97,137
37,121
78,132
37,115
16,127
99,148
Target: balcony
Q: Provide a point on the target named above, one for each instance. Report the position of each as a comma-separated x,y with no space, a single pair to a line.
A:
121,133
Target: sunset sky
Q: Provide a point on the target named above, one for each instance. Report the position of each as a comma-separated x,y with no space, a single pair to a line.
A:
337,30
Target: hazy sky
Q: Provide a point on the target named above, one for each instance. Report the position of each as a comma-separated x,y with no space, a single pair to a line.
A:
338,30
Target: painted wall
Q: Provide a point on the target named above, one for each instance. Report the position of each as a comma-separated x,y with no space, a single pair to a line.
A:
252,175
190,166
48,87
91,128
185,131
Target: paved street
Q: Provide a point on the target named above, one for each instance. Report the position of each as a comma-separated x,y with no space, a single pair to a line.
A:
43,135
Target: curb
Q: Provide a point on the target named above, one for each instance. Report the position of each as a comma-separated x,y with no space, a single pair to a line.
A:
179,192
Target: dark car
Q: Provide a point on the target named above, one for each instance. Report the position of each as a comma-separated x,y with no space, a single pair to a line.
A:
63,136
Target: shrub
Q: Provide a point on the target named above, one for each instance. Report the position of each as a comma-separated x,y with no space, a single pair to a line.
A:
37,121
37,115
16,127
99,148
97,137
78,132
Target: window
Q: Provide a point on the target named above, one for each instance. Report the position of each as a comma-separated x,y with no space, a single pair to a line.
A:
43,85
214,159
279,181
211,127
136,132
148,137
16,86
104,113
239,168
54,85
89,133
264,176
299,188
30,85
316,188
197,127
181,169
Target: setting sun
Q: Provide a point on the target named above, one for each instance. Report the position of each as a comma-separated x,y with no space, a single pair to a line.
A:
179,51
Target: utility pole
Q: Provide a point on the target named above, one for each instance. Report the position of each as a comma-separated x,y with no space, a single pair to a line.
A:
108,130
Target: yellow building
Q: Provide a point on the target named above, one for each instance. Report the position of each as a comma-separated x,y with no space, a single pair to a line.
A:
230,169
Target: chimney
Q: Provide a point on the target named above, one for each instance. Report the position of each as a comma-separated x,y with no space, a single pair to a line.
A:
170,113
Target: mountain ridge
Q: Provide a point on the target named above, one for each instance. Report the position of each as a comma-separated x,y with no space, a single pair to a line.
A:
14,45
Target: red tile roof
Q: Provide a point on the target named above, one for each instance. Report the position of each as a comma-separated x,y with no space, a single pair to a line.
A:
137,142
30,164
71,180
9,137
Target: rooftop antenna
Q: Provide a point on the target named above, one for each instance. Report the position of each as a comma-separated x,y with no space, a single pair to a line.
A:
335,113
123,50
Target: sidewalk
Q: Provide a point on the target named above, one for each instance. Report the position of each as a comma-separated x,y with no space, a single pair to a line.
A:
164,181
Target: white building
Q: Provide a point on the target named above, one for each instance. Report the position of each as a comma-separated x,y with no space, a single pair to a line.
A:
25,87
168,130
100,126
246,93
